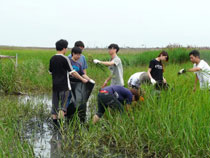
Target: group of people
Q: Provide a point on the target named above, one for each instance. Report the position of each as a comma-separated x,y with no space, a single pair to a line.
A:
65,70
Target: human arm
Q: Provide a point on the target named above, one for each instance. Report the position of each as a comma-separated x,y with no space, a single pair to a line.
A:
84,64
150,76
76,75
164,80
86,77
106,63
195,69
50,68
151,66
85,71
106,81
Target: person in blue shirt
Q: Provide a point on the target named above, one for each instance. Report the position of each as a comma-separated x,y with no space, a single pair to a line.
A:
82,59
78,88
114,97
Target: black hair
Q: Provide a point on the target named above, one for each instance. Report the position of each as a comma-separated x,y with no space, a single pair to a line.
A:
61,44
195,53
76,50
79,44
114,46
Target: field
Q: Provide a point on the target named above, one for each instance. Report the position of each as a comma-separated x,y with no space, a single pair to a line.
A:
174,123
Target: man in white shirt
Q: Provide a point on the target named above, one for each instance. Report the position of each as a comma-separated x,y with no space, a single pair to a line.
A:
201,70
137,79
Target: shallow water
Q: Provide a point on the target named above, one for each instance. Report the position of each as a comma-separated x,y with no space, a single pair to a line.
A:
40,133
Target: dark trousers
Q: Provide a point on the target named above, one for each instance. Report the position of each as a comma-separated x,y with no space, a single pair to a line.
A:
107,100
161,86
59,100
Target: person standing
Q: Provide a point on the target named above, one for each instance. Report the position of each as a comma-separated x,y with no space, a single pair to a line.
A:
82,59
155,71
60,68
115,66
79,90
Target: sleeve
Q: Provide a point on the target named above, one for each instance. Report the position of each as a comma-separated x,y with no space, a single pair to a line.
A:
116,61
85,66
50,68
151,64
201,65
128,96
69,66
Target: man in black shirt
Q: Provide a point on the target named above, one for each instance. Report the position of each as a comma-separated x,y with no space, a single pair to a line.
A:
60,68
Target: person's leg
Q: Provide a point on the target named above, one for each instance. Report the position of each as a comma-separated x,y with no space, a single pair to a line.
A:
82,112
114,103
64,98
68,100
55,103
101,108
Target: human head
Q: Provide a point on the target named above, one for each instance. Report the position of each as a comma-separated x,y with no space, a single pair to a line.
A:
135,94
113,48
76,53
194,56
62,45
79,44
163,56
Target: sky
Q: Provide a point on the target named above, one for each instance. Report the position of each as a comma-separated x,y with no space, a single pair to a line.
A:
98,23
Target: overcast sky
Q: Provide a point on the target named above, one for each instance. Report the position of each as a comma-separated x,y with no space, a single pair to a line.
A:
133,23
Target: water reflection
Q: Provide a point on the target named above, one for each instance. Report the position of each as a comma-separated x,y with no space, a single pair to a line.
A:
40,132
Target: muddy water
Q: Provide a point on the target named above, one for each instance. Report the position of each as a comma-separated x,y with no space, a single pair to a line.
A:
46,141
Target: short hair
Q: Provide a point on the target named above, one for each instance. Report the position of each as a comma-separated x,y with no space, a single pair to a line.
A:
76,50
135,93
164,53
114,46
79,44
61,44
195,53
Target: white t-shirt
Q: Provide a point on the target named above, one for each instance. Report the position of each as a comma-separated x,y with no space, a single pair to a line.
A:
134,80
204,74
117,72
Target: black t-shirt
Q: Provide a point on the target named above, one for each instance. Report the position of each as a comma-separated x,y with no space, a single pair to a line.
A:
60,67
157,70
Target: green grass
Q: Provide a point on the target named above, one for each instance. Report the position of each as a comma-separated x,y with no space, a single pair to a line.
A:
32,72
175,124
11,116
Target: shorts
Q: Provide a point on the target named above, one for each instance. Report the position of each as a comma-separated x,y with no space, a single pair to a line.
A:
59,100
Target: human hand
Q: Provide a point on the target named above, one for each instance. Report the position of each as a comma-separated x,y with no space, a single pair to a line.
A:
96,61
181,71
153,81
84,80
